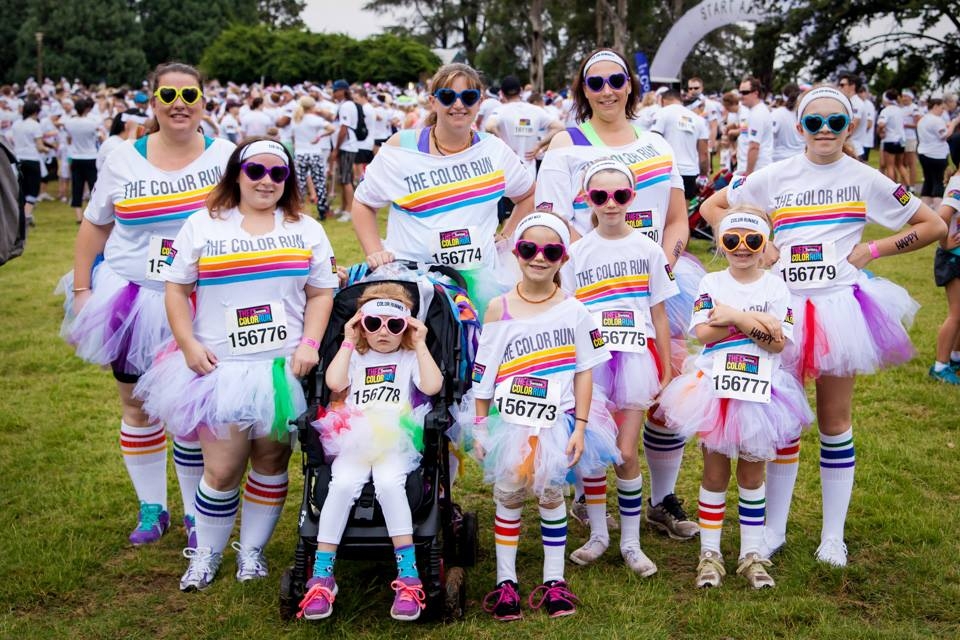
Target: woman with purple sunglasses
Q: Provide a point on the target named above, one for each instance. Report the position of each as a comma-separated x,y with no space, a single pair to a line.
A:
262,274
607,94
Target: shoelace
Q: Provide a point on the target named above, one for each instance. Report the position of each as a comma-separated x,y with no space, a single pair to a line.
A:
407,592
833,546
315,592
557,591
249,555
200,561
149,516
674,507
505,593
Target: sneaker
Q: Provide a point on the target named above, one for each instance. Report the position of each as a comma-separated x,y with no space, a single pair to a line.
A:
31,222
343,216
556,597
409,599
590,552
190,527
772,543
947,375
638,561
832,551
317,602
669,517
955,365
579,512
44,196
321,213
710,570
754,569
153,523
202,569
251,565
504,602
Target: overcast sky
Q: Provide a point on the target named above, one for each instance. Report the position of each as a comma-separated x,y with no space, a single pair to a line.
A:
344,16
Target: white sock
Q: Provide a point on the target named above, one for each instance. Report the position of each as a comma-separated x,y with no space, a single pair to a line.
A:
188,461
506,537
781,478
553,531
630,501
751,509
837,463
263,498
595,490
955,356
663,451
216,513
711,506
145,456
939,366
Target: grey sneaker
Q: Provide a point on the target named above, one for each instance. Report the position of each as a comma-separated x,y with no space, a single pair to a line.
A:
638,561
669,517
202,569
754,569
710,570
590,552
251,565
578,510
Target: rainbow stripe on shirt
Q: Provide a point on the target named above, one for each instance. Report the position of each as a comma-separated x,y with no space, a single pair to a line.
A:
160,209
786,218
614,289
253,265
449,197
542,363
739,339
648,173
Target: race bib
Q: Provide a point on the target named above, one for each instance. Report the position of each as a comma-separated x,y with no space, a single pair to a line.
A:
457,248
529,401
742,376
646,222
378,388
685,123
809,265
622,330
524,128
160,254
258,328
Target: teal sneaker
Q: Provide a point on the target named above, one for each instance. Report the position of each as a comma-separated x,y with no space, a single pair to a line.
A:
947,375
955,365
153,522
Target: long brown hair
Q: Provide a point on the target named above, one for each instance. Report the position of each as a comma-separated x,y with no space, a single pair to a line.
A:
387,291
582,105
445,76
153,125
226,195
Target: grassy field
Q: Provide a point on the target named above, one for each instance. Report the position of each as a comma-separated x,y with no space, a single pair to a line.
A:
66,507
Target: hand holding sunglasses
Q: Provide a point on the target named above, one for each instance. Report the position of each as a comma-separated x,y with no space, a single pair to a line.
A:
188,95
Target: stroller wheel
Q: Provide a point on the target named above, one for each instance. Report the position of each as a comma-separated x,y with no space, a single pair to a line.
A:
288,601
455,594
468,540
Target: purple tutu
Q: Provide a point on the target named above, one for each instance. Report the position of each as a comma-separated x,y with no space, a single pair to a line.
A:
689,272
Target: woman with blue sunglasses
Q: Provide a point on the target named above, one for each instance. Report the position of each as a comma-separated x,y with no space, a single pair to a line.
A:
442,184
847,322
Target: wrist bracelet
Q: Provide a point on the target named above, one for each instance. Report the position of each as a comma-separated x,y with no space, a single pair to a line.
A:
79,289
874,251
584,420
310,342
346,344
479,420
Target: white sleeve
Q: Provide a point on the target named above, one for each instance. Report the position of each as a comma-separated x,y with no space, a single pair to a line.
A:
187,249
590,348
555,189
370,190
888,203
702,306
100,210
487,362
704,129
323,264
750,189
663,284
951,196
517,178
659,124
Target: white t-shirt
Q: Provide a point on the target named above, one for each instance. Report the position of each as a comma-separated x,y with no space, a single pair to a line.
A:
541,354
819,213
560,181
82,134
857,114
646,116
768,295
518,124
891,117
148,205
108,146
628,275
383,380
347,115
951,198
863,134
229,126
379,125
247,283
444,208
255,123
682,129
756,125
786,141
25,134
932,136
488,106
307,135
911,114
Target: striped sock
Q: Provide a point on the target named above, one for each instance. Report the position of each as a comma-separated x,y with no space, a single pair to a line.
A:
188,461
595,490
837,462
752,507
630,501
553,531
263,498
712,504
506,536
664,453
781,478
145,456
216,512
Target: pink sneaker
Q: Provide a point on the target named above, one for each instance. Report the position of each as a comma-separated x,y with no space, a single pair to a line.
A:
317,602
409,600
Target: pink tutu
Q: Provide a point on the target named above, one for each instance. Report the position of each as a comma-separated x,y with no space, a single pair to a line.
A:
367,436
754,430
122,323
260,396
689,272
629,380
855,330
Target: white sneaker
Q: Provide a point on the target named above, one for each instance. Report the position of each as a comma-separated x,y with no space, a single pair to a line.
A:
251,565
638,561
202,569
772,543
43,196
590,552
343,216
832,551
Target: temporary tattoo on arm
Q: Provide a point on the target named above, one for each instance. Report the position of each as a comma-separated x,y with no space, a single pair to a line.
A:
677,249
761,336
906,240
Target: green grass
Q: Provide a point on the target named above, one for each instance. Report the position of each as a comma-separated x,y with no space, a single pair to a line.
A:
66,507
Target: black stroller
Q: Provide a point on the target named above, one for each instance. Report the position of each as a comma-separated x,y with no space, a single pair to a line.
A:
444,536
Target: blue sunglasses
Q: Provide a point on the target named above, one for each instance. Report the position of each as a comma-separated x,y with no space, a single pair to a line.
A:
836,122
447,97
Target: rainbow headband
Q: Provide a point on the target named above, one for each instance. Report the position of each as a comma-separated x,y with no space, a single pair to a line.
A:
264,146
824,92
743,220
608,56
607,164
548,220
385,307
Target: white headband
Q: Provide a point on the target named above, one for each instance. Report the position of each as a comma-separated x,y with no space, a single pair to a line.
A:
743,220
824,92
385,307
132,117
548,220
608,164
264,146
600,56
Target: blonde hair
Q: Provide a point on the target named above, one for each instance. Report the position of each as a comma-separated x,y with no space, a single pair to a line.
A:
740,208
445,76
304,105
388,291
